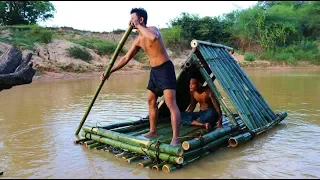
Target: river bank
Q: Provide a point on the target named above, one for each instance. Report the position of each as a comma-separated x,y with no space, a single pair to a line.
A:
48,76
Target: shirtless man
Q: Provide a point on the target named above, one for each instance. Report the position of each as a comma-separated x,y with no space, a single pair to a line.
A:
162,75
210,112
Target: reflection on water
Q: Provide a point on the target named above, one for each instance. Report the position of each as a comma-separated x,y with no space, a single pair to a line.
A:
38,122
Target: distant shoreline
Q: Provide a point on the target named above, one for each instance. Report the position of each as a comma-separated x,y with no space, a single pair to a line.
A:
48,76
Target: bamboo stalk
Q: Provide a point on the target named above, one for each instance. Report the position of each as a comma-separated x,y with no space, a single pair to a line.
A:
113,59
79,141
165,148
130,128
145,163
157,167
93,145
234,141
134,158
89,142
162,156
207,138
123,124
203,150
279,118
128,155
100,147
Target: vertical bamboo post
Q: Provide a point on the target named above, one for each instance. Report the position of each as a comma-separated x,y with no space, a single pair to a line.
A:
113,59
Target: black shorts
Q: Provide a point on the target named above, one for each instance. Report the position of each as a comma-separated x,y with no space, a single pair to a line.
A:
162,77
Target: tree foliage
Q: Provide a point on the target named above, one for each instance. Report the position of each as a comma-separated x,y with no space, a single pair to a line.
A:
25,12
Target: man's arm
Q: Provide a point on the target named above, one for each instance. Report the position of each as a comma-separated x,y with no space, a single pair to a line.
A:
150,33
217,108
125,59
193,103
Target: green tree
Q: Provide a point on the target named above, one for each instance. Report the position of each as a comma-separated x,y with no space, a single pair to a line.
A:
25,12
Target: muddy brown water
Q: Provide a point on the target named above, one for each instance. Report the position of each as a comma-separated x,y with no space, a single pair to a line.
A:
38,122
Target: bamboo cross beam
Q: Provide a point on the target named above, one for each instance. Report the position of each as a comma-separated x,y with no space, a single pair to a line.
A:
113,59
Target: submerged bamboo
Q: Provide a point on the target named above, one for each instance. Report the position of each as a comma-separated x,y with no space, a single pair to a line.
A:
165,148
89,142
134,158
145,163
162,156
157,167
79,141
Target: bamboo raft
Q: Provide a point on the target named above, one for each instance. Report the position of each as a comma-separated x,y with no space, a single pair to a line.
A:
250,116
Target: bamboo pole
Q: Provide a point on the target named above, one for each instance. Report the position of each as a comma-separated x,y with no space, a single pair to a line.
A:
134,158
100,147
89,142
234,141
196,43
157,167
79,141
123,124
207,138
130,128
145,163
165,148
93,145
113,59
200,151
162,156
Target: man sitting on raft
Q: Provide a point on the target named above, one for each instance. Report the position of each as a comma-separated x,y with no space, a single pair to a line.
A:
210,112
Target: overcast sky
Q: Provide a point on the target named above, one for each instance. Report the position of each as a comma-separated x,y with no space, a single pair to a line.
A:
110,15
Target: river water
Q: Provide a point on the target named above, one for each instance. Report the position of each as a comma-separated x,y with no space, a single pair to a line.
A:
38,122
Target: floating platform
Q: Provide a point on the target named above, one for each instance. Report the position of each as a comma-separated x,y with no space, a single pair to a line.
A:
245,115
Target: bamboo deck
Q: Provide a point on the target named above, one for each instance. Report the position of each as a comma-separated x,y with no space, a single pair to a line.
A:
252,116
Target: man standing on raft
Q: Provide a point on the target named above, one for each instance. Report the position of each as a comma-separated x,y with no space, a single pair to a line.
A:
162,75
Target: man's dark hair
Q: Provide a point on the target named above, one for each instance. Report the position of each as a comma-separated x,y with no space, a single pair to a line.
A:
140,13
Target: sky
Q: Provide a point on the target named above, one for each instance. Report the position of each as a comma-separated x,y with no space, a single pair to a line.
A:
107,16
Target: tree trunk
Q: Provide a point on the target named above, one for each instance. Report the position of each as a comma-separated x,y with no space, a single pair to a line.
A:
15,70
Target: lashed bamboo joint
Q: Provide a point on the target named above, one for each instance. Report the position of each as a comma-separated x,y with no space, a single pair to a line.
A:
245,115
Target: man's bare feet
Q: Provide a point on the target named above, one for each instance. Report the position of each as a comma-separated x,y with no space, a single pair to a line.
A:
150,134
175,142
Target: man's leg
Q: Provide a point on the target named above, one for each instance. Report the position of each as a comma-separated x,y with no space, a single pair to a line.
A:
153,114
170,99
196,123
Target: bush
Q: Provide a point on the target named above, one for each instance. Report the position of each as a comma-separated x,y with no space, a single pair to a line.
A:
41,34
103,47
249,56
79,53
